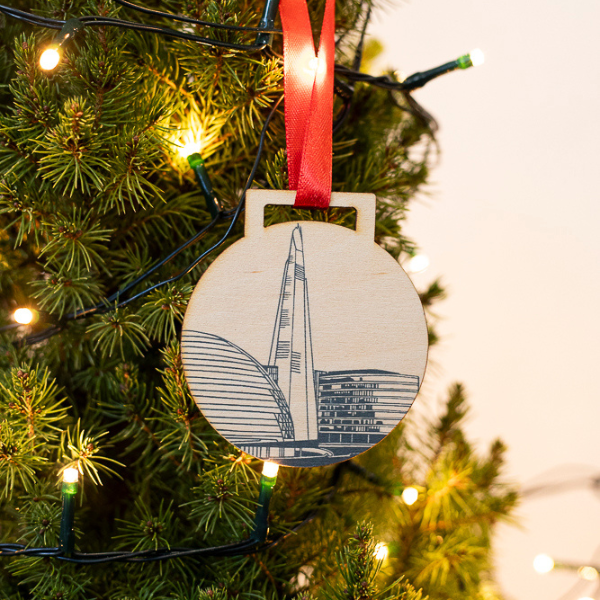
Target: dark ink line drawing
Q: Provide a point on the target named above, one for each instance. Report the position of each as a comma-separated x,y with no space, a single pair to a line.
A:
290,412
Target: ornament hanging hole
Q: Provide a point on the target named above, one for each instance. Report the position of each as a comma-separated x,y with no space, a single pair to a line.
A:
342,216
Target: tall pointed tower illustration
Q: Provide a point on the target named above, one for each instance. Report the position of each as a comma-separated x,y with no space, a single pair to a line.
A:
291,347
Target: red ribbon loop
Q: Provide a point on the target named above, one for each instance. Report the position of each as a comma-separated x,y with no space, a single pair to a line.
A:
308,91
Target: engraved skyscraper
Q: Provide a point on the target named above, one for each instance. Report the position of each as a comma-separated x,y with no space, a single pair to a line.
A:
291,347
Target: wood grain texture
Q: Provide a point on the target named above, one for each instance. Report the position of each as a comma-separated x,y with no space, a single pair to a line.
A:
305,343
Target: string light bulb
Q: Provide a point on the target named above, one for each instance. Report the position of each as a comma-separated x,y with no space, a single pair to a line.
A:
70,479
50,58
543,563
52,55
381,551
312,66
71,475
270,469
267,483
191,145
213,204
466,61
188,139
410,495
317,65
24,316
587,573
418,263
477,57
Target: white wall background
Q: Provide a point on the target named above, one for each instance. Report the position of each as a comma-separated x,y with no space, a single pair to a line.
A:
511,223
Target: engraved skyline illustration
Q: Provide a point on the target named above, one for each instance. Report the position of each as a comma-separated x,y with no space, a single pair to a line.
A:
287,410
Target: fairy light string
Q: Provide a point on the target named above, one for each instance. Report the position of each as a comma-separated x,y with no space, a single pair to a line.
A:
256,542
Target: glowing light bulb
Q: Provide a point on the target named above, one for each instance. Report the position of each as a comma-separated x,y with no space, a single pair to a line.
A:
71,475
381,551
418,263
410,495
587,573
270,469
24,316
543,563
190,146
400,75
477,57
49,59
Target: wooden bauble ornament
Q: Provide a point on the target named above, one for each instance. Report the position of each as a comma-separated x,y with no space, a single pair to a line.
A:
304,343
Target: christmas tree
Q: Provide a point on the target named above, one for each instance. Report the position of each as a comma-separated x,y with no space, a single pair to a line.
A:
107,226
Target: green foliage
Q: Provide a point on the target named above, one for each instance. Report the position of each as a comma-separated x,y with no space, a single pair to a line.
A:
28,400
446,543
18,460
222,502
149,531
82,450
164,310
93,193
119,328
74,242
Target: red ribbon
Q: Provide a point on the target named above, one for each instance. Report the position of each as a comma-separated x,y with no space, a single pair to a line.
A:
308,90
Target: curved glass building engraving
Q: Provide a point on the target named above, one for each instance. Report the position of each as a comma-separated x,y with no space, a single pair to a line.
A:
286,410
239,396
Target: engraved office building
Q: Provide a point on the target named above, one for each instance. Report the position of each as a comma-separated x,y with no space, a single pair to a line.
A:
361,407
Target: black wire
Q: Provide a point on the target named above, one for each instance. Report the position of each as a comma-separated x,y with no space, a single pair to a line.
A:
164,15
347,91
31,18
337,125
350,74
109,22
20,13
592,481
242,548
98,21
234,219
383,81
36,338
135,282
350,27
416,110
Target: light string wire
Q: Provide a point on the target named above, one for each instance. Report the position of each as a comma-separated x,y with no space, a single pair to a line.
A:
183,19
255,543
112,302
261,42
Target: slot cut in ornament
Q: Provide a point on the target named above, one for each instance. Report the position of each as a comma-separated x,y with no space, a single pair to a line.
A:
304,343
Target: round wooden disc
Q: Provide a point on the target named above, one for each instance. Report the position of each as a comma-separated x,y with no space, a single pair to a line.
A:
304,343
